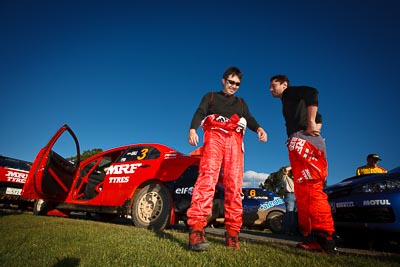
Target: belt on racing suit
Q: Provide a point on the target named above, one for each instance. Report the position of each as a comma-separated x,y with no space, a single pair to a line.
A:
227,125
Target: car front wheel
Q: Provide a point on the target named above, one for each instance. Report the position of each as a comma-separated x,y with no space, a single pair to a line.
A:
275,221
151,207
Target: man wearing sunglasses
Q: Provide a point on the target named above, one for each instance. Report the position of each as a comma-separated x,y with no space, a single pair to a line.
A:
307,155
224,118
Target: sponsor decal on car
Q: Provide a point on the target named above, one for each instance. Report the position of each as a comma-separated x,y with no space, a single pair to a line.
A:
259,197
123,169
377,202
118,180
270,204
184,190
16,177
348,204
170,155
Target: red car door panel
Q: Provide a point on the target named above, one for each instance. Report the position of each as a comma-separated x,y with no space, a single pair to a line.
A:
51,175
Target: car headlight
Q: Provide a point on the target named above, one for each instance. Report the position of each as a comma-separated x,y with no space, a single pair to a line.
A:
382,186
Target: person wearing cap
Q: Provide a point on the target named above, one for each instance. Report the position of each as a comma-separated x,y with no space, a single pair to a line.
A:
371,167
224,118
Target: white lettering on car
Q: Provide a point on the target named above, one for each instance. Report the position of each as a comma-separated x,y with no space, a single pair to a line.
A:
16,177
184,190
118,180
377,202
271,204
345,204
123,169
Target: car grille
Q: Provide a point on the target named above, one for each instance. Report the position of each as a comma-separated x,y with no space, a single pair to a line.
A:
365,215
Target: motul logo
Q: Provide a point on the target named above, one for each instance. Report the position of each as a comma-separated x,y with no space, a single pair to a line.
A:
376,202
123,169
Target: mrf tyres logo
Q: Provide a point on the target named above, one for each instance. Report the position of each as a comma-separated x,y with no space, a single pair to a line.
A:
16,177
121,169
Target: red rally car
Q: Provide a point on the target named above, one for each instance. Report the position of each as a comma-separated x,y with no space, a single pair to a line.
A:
134,180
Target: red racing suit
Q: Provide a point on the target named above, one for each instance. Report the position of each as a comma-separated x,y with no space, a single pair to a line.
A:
223,146
310,168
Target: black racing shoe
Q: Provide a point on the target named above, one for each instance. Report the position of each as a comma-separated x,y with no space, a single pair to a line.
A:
310,245
197,240
326,242
232,241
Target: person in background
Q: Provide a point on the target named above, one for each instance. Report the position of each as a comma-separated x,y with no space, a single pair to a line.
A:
290,200
371,167
307,155
224,118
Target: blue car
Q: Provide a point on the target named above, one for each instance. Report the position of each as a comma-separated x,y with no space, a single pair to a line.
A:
367,207
263,209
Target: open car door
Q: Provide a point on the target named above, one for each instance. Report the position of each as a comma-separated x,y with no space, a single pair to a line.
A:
51,175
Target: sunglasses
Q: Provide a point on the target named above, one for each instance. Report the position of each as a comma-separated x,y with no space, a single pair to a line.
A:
233,82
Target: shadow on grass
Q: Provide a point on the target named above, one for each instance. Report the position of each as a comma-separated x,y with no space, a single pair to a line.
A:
67,262
7,212
162,234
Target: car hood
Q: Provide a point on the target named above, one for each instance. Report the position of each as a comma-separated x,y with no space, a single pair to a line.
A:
359,180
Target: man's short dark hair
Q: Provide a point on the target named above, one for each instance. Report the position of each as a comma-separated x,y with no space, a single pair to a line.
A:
281,78
232,71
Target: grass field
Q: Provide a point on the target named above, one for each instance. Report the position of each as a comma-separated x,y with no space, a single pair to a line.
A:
29,240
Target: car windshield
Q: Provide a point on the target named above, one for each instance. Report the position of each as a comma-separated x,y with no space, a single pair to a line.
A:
395,170
15,164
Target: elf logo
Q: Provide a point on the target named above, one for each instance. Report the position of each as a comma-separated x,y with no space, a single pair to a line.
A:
184,190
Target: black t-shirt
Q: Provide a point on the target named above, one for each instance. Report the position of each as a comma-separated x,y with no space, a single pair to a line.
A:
295,100
224,105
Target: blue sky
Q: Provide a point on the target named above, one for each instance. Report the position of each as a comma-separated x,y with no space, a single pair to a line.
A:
121,72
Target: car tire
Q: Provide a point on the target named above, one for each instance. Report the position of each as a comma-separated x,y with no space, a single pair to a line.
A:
152,207
40,207
275,222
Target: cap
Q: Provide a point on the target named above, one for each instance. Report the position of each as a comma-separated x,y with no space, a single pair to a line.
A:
374,156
